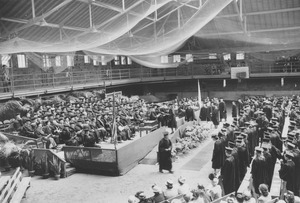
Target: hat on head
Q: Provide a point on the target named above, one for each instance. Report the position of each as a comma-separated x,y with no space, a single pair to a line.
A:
181,180
247,123
165,133
270,129
228,149
290,144
239,137
169,182
239,141
244,135
258,149
236,132
223,129
266,145
156,189
231,144
226,125
288,153
242,127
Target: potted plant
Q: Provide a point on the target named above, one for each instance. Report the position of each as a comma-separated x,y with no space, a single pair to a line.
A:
45,169
55,167
30,162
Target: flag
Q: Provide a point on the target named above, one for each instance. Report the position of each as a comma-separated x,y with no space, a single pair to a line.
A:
199,94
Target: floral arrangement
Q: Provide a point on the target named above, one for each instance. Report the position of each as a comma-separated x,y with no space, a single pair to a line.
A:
191,137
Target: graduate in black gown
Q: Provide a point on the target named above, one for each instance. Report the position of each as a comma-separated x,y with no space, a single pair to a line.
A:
228,172
287,171
164,152
218,157
259,169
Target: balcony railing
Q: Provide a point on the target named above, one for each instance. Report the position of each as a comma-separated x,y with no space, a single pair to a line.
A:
47,81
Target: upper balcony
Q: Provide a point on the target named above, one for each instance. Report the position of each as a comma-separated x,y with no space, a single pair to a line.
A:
23,84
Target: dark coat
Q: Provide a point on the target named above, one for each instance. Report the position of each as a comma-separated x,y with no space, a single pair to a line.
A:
287,173
218,157
259,173
165,161
234,111
222,109
203,113
228,175
243,161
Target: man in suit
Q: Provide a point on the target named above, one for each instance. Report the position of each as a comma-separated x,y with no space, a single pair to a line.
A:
222,109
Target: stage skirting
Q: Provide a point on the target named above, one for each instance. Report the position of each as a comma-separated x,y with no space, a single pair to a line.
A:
117,161
112,161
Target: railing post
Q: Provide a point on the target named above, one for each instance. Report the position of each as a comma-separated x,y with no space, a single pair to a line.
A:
150,73
141,72
53,82
129,75
33,81
120,74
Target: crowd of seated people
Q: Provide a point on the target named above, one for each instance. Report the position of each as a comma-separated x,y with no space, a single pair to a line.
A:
180,192
89,121
287,64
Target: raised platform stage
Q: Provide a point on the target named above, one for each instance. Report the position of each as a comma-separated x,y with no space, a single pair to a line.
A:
110,159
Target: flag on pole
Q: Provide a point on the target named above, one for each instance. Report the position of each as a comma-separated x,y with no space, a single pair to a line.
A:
199,94
114,127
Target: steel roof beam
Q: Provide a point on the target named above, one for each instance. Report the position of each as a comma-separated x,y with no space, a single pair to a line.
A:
250,31
23,21
260,12
111,7
41,17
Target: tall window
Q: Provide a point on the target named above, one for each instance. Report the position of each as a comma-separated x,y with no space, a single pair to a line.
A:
95,62
164,59
70,60
5,60
46,61
176,58
86,59
103,62
123,60
189,57
57,61
129,62
117,60
22,61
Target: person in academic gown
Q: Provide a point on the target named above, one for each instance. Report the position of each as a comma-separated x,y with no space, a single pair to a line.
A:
203,113
287,171
218,157
243,157
164,153
228,172
259,169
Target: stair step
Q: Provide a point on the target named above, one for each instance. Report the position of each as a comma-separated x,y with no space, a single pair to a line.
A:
70,171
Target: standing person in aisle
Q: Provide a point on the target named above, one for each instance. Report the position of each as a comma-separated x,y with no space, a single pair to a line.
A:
164,153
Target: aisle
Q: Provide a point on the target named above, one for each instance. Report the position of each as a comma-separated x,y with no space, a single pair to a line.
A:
200,159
